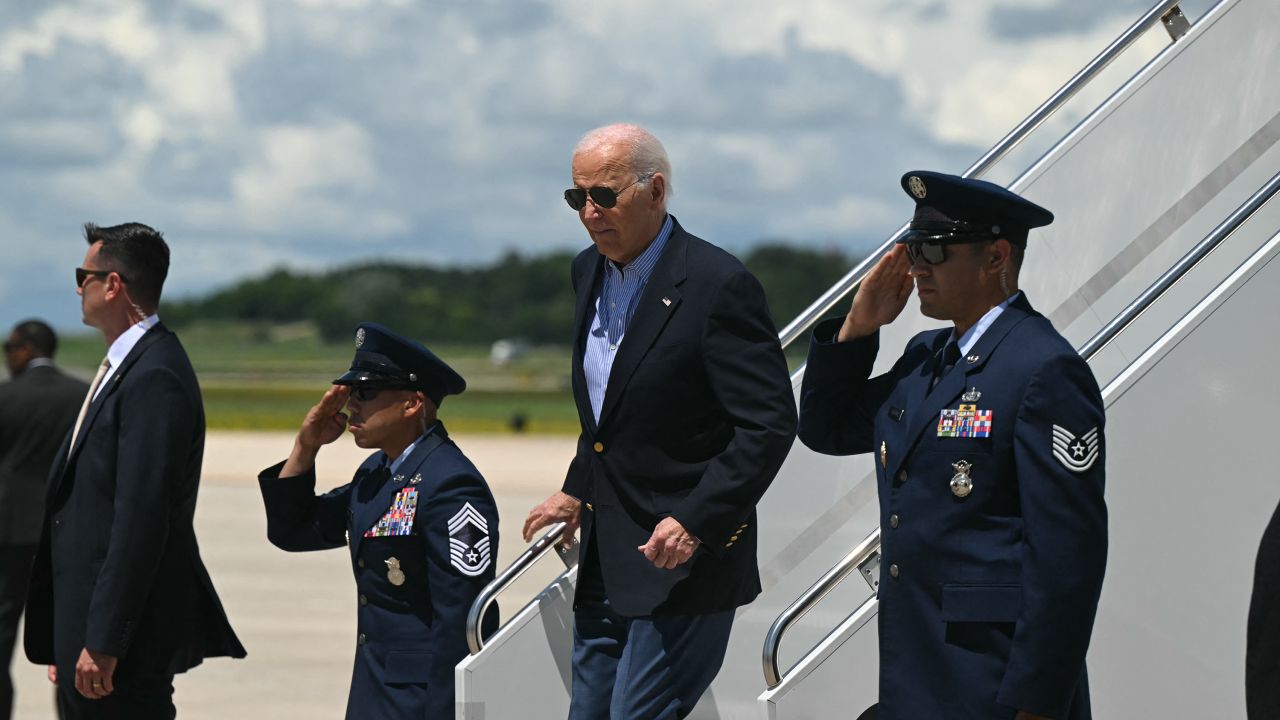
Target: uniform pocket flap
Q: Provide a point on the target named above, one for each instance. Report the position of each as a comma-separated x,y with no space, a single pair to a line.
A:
407,667
981,603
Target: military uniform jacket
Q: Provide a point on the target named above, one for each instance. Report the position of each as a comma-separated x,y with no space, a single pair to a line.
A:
118,569
987,601
698,417
416,573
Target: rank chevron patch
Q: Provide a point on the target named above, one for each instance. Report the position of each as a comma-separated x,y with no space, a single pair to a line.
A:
1076,454
469,541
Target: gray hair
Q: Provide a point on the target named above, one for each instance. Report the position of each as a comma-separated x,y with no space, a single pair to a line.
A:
648,157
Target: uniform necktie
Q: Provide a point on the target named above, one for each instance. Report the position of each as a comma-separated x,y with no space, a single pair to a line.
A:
946,360
84,408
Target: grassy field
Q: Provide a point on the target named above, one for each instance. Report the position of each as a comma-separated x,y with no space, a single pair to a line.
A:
265,377
260,377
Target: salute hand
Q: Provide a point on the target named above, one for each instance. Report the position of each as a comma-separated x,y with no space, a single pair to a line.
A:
881,295
326,421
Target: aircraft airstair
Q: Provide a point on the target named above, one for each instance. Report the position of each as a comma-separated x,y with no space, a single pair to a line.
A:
1161,267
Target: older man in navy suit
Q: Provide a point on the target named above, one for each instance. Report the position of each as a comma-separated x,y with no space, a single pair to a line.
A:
989,448
419,520
687,414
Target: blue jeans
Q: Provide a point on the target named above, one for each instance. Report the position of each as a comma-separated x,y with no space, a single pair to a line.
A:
643,668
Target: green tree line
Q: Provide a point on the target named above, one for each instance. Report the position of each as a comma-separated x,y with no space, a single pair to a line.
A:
517,296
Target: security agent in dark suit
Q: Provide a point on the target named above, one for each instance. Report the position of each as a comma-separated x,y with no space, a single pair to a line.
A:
420,521
37,408
687,414
120,600
989,449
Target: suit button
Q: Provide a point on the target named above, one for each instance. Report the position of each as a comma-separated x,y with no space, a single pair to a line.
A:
902,476
360,562
363,600
361,639
893,521
598,447
734,538
893,570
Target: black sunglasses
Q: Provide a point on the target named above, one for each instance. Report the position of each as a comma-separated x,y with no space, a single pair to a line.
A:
83,274
364,393
604,197
929,252
935,253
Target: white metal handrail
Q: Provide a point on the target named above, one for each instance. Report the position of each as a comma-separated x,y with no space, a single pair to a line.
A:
773,641
549,540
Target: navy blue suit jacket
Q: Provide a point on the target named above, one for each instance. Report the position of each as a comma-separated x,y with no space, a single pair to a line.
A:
986,601
697,419
118,570
411,634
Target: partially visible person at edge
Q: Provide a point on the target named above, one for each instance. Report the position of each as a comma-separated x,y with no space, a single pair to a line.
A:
420,521
990,453
1262,646
37,409
687,413
120,600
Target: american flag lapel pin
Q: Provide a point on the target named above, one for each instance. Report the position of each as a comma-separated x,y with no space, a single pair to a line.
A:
666,301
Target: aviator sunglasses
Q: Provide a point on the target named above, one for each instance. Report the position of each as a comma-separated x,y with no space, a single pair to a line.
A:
603,197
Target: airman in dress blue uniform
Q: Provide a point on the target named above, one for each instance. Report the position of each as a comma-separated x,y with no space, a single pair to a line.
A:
418,517
989,449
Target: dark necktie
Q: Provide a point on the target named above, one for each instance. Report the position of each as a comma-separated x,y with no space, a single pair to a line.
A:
947,359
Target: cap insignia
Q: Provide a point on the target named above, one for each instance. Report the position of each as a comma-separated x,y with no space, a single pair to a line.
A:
917,187
359,337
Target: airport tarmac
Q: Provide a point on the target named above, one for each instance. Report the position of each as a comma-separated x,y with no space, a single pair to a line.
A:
295,612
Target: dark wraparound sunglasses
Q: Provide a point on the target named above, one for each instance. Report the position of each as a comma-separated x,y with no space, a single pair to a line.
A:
361,393
604,197
365,393
83,274
935,253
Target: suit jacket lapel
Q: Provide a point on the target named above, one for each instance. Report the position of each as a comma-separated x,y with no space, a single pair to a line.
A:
919,401
147,340
588,287
954,383
372,511
657,304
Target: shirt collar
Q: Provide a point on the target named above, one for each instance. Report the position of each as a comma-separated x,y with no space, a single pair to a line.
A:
39,362
973,334
123,345
395,465
642,267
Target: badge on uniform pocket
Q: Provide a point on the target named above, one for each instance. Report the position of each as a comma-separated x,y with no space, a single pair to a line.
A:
399,519
966,421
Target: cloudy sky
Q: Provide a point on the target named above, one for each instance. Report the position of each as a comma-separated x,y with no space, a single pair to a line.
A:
307,133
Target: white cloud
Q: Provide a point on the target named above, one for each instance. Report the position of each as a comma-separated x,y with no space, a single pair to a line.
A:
268,131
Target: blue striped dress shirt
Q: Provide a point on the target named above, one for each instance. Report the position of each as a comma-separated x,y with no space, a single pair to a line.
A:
620,292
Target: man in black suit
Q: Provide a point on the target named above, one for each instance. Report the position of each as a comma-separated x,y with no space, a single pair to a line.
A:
37,408
687,413
120,600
